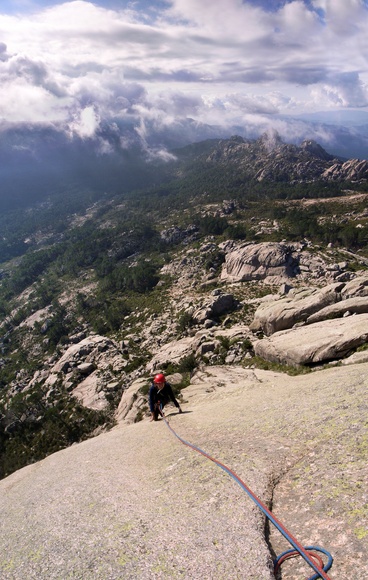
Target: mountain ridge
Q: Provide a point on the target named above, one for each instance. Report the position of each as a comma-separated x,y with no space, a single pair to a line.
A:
46,160
270,159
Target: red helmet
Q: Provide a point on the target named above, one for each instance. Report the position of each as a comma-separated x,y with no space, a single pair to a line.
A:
160,378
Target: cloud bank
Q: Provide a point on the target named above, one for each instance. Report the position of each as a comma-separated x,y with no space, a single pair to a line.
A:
83,66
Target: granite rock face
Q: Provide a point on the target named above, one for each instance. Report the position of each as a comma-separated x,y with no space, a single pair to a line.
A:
312,325
311,304
297,306
324,341
85,369
260,261
353,169
299,442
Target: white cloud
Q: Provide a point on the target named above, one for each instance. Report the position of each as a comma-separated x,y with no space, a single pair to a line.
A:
221,62
343,17
86,122
342,90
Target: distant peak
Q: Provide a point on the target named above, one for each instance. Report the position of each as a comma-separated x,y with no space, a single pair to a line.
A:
315,149
270,139
236,139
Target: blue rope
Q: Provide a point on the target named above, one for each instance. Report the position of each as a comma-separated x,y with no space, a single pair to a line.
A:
320,573
326,567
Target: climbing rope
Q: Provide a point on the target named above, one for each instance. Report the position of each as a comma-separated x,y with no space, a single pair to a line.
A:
314,560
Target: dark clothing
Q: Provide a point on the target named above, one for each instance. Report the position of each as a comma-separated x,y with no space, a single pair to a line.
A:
157,398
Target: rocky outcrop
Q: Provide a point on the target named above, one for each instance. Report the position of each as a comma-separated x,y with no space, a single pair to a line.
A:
351,170
205,343
308,305
173,352
132,402
88,371
313,325
275,263
269,159
356,287
251,261
214,307
297,306
324,341
176,235
346,307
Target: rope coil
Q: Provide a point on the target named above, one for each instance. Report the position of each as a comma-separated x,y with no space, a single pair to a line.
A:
312,559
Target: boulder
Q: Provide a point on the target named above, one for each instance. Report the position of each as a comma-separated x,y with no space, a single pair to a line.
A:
316,343
90,394
111,387
86,368
357,305
356,287
259,261
132,401
207,347
175,378
218,305
173,352
201,314
295,307
222,304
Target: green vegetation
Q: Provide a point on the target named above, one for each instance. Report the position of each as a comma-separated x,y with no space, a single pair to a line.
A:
34,425
261,363
185,321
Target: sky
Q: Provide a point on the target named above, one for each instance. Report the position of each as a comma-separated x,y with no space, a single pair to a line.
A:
76,64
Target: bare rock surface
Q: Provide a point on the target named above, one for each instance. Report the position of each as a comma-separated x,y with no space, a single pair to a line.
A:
132,401
86,369
136,503
89,393
295,307
356,287
322,341
259,261
357,305
174,351
354,169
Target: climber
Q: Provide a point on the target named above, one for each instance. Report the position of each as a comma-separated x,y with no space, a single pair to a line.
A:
160,394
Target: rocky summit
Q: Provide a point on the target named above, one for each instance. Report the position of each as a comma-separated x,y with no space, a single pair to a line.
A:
270,159
242,275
